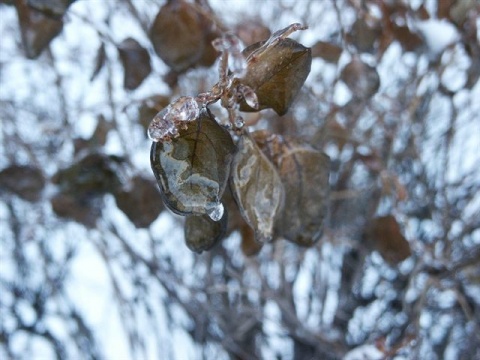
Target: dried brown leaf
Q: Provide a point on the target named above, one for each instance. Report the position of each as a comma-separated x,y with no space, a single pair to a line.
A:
387,238
362,79
22,180
136,63
327,51
141,202
37,29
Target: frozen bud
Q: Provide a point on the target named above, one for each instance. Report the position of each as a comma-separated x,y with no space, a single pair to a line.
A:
184,108
162,126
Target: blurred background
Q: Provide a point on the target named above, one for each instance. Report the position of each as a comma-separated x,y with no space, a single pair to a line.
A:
93,267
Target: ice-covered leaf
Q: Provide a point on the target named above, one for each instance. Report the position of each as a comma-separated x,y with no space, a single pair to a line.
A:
362,79
141,202
304,172
22,180
37,29
257,188
192,169
136,63
202,233
386,237
181,35
276,71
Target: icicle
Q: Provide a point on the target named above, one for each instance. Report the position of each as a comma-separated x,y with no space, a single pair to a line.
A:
249,95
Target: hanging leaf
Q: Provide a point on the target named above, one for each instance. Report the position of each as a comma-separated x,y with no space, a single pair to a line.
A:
141,203
181,36
257,188
136,63
24,181
93,175
304,172
386,237
192,169
276,71
362,79
37,29
202,233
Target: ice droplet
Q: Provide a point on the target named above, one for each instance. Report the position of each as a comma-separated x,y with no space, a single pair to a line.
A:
161,126
185,108
239,122
249,95
216,213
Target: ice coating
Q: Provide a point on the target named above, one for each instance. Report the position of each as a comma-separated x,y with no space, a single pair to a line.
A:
185,108
161,127
164,124
232,45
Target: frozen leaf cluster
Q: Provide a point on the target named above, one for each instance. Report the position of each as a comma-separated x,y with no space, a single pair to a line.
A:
193,157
